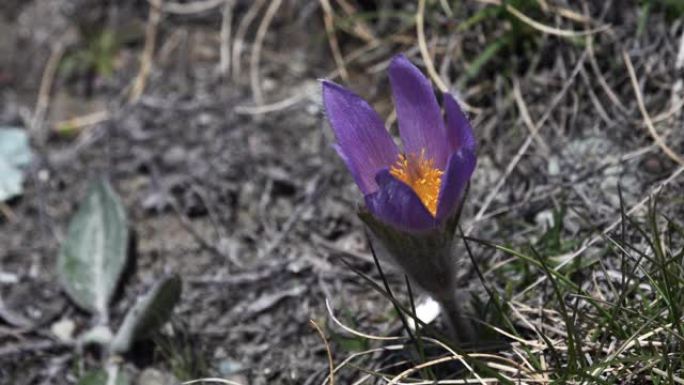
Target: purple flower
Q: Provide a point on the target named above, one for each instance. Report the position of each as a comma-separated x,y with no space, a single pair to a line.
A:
417,189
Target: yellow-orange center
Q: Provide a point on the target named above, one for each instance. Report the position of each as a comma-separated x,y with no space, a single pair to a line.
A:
421,174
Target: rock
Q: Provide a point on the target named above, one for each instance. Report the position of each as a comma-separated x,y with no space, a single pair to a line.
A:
151,376
229,367
553,166
174,156
238,379
64,330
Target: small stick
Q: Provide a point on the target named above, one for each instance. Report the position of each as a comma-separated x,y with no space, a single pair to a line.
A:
332,39
7,212
679,65
79,122
525,114
607,230
523,148
226,31
429,65
589,39
272,107
148,51
46,81
327,349
256,51
647,118
552,30
360,27
240,36
190,8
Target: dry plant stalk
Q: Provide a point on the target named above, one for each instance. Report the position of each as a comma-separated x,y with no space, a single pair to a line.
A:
46,81
422,44
327,349
254,77
148,51
328,18
644,113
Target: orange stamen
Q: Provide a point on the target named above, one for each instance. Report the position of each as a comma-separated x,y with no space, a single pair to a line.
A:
421,174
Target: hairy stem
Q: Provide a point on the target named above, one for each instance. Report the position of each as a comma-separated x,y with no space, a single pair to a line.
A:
461,328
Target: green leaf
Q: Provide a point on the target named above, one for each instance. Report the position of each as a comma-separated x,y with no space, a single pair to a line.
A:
93,256
148,314
101,377
15,152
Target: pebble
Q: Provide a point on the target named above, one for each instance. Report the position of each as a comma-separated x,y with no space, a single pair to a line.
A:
64,330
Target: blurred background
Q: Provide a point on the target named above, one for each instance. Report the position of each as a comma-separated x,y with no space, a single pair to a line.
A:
205,116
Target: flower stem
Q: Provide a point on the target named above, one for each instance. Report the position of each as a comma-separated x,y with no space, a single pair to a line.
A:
461,328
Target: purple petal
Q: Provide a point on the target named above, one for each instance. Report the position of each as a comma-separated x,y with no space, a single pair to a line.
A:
420,121
456,176
396,204
363,142
459,132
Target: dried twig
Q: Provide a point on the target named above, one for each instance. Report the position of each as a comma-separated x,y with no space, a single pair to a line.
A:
561,11
552,30
647,118
527,119
679,66
7,212
148,51
328,18
46,81
523,148
226,31
190,8
210,380
571,257
240,34
272,107
79,122
429,65
360,27
327,349
256,51
589,40
459,358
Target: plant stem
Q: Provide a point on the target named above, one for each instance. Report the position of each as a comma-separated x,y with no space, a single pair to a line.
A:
461,328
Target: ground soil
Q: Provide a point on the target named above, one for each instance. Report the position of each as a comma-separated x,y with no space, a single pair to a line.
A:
254,209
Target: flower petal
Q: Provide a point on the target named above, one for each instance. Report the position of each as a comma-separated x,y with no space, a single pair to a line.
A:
459,132
363,142
458,171
420,121
396,204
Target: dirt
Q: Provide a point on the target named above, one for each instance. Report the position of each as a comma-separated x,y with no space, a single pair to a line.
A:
255,209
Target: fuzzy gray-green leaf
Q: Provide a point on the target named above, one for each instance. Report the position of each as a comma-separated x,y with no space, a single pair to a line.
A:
93,256
14,153
148,314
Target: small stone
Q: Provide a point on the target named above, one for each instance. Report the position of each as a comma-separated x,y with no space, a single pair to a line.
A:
653,165
44,175
238,379
553,166
229,367
544,219
174,156
6,277
204,119
64,330
269,84
151,376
